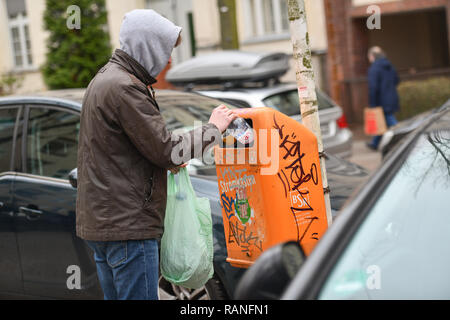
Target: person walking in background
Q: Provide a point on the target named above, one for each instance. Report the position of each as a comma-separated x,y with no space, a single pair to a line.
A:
124,153
383,81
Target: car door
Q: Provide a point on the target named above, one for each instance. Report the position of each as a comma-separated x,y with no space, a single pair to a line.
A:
55,262
10,268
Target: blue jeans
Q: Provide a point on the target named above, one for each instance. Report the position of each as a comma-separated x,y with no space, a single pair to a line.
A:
127,270
390,122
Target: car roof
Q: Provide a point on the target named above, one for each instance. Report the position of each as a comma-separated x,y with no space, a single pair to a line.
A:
442,122
72,98
41,98
254,96
260,93
257,91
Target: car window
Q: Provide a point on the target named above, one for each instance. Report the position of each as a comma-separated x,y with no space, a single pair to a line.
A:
181,111
288,103
52,139
324,101
401,250
7,121
236,102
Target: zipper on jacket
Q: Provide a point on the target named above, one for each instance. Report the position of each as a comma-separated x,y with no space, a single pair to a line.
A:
151,91
152,95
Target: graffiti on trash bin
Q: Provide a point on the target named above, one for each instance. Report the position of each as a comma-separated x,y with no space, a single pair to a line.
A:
234,185
243,237
228,204
294,177
239,212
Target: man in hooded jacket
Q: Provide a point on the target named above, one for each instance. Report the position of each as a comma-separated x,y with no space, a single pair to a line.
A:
383,81
124,153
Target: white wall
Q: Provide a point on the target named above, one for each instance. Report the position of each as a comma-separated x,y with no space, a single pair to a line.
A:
116,11
31,80
38,35
206,25
177,12
6,61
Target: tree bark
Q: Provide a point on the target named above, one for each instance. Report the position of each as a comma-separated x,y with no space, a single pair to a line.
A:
306,84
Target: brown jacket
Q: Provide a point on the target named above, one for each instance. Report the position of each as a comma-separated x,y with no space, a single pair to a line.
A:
123,155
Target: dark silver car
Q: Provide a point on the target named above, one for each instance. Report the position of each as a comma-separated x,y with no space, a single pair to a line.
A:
251,80
336,136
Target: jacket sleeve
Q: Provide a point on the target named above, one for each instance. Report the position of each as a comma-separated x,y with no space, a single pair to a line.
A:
374,87
145,127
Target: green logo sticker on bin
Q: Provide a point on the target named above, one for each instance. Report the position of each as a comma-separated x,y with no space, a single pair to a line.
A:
242,206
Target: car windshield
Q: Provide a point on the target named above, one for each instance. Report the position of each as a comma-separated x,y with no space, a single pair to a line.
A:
287,102
401,250
182,110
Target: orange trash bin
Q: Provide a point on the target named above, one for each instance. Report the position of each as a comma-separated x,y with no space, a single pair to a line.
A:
271,190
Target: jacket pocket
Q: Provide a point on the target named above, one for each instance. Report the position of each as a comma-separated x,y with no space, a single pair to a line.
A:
148,190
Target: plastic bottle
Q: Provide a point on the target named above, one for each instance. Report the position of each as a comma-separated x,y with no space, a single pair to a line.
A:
241,131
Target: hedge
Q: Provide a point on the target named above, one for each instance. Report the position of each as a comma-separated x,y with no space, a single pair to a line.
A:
421,95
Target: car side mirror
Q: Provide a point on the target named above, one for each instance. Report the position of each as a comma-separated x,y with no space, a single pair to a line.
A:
73,178
271,273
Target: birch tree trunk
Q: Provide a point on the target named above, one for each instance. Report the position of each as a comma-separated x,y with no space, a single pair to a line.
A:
306,84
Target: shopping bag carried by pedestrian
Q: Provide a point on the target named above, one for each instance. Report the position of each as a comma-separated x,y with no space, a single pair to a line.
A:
374,121
187,242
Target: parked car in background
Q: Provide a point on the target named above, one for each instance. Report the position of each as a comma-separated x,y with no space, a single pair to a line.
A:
392,239
250,80
337,137
39,248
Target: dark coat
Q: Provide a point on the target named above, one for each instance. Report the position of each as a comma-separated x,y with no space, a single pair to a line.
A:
383,81
124,152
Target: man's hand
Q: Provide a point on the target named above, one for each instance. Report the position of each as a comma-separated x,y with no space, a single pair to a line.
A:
177,169
222,117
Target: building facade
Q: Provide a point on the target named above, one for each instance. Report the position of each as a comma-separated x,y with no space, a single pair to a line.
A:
24,38
413,33
262,26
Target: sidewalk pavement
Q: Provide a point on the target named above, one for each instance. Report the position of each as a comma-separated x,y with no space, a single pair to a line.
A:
362,155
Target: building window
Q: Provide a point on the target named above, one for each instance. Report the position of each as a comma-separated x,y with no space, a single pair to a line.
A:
19,34
265,18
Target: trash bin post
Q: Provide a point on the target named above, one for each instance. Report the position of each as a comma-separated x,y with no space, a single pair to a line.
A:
306,84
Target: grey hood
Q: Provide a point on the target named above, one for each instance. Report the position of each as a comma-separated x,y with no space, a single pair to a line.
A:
149,38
